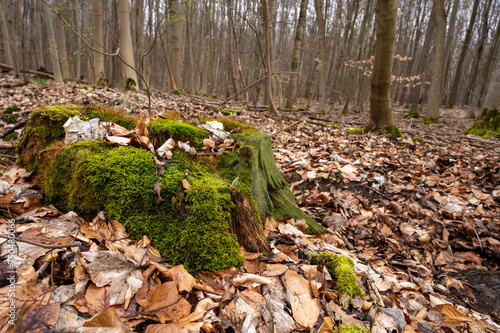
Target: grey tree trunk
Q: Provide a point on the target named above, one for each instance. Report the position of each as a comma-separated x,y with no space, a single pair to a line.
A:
320,21
267,33
63,52
291,93
176,22
485,74
56,66
492,98
6,38
434,102
381,113
453,99
127,50
98,43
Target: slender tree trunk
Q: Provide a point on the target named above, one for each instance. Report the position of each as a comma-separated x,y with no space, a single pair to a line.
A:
176,22
381,113
479,54
7,44
127,51
450,36
458,73
320,21
485,74
267,32
98,41
434,102
56,66
291,94
63,52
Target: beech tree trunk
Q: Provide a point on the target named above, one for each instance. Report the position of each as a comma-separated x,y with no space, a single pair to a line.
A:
176,22
56,66
291,93
63,52
7,44
267,33
320,21
434,102
381,113
465,48
100,73
127,50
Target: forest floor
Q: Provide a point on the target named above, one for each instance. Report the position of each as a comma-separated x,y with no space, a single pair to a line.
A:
420,217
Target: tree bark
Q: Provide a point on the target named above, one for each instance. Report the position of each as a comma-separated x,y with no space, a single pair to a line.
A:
6,38
320,21
434,102
127,51
291,93
56,66
267,32
458,73
485,74
98,43
63,52
492,98
381,113
176,22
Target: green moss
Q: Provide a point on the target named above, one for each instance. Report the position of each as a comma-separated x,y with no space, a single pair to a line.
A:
88,177
351,328
12,118
487,125
352,131
393,131
46,127
178,91
206,245
228,112
342,269
162,130
110,114
11,109
11,136
130,84
430,121
43,129
235,126
412,115
417,139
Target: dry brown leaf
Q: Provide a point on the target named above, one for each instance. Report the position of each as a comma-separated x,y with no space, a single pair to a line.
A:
305,310
451,314
171,306
183,280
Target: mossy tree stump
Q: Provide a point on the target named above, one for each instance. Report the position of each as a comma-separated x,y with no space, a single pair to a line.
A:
201,219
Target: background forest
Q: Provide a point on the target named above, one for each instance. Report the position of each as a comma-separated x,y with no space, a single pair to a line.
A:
321,52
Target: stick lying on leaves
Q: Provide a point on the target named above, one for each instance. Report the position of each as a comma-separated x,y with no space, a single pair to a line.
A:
47,246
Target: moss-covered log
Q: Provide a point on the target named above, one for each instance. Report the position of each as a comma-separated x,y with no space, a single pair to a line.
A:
201,219
487,125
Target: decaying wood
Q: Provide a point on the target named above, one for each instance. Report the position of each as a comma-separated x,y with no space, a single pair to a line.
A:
246,227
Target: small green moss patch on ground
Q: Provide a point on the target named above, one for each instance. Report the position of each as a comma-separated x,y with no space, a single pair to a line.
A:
12,118
351,328
228,112
487,125
162,130
393,131
430,121
417,139
11,136
342,268
353,131
11,109
412,115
